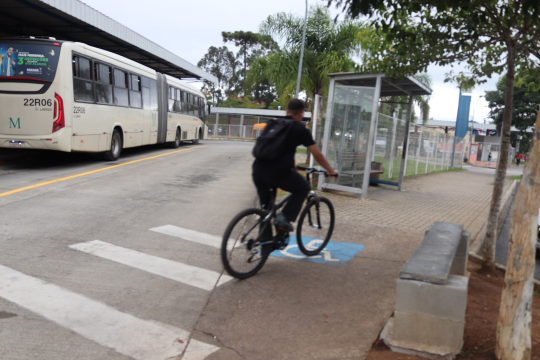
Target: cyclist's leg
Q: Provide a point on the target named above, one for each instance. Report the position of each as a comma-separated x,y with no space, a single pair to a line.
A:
299,188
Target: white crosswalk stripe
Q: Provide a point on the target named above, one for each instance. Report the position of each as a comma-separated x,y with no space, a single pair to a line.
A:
187,274
131,336
190,235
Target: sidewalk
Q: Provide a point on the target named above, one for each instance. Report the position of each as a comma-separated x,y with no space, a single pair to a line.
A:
295,309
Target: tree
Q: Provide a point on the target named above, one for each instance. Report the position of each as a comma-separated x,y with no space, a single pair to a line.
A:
491,37
252,46
221,63
242,102
329,47
524,109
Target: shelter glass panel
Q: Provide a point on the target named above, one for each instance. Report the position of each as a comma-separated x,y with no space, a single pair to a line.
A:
348,140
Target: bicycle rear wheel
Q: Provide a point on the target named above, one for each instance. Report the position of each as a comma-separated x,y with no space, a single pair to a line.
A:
241,251
315,226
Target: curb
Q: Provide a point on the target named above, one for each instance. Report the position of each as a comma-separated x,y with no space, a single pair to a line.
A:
477,245
508,197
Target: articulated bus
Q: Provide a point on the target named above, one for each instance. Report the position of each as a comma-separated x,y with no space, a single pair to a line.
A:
68,96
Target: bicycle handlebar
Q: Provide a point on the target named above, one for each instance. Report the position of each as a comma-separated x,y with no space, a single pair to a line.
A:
313,170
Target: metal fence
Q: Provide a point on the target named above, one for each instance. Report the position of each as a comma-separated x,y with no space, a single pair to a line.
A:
428,150
235,126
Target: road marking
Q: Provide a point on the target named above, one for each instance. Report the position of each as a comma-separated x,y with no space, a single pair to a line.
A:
335,252
128,335
190,235
16,191
186,274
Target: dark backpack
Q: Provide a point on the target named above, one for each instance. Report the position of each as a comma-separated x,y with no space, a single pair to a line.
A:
270,145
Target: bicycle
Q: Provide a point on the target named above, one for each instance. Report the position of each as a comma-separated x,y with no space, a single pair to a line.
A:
249,238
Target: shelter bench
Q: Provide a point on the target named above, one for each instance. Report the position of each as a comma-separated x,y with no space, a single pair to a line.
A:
431,296
352,157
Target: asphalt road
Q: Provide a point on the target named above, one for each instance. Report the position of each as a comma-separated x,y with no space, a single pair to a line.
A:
501,253
82,276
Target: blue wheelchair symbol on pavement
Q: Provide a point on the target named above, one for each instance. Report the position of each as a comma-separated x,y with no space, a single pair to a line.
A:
335,253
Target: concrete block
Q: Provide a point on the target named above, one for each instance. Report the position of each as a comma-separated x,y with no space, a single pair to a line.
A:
459,265
463,248
433,258
428,333
444,301
387,335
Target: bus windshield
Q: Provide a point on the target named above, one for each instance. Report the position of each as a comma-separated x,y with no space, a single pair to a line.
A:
28,61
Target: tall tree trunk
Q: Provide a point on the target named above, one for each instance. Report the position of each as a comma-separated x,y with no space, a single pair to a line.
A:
491,230
514,326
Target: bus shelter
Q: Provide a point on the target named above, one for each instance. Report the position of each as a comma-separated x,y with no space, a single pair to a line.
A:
351,125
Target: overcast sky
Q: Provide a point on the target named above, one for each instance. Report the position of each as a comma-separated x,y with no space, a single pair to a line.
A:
189,28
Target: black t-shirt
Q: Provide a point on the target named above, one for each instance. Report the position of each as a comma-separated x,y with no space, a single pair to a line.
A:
298,135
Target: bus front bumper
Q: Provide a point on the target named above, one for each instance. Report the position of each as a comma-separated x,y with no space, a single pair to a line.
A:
60,141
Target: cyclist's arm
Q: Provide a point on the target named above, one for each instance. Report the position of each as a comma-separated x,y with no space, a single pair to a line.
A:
314,149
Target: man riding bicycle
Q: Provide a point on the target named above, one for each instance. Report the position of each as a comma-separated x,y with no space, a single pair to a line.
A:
281,173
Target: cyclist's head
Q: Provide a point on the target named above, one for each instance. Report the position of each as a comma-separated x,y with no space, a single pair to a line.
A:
295,109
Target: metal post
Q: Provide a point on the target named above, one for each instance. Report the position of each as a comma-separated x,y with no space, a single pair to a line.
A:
391,164
314,124
329,107
405,144
419,145
429,155
301,55
436,150
240,128
216,125
371,137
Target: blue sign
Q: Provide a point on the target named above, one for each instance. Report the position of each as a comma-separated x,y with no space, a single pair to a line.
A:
462,121
335,252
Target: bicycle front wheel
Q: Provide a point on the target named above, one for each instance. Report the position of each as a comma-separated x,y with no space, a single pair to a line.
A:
315,226
241,251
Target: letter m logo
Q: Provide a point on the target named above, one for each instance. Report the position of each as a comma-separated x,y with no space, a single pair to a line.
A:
15,124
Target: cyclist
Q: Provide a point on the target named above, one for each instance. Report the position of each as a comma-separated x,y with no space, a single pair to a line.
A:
281,173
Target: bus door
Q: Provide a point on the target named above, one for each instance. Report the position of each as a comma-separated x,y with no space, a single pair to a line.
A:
162,93
150,105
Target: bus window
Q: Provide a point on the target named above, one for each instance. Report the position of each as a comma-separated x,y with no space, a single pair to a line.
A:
121,97
153,95
146,93
135,99
83,87
178,101
103,76
171,99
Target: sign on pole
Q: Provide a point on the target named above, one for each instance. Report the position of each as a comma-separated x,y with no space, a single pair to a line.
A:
462,121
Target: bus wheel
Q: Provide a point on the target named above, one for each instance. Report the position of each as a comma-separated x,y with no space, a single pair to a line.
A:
116,147
177,141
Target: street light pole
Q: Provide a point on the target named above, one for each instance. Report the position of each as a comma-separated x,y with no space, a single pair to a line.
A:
301,55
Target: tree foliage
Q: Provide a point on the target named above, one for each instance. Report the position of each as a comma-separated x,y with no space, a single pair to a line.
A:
329,47
222,63
525,105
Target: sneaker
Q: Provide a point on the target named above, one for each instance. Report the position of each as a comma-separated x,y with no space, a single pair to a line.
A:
282,223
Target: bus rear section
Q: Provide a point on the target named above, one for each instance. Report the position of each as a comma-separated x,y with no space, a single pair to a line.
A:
32,105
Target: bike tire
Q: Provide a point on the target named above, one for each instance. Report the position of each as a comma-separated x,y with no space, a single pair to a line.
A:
304,227
249,219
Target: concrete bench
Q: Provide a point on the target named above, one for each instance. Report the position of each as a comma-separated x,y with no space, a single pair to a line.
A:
431,296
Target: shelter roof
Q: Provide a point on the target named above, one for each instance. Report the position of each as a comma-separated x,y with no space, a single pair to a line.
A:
75,21
389,86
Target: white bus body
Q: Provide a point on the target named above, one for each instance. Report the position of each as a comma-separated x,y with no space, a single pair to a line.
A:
68,96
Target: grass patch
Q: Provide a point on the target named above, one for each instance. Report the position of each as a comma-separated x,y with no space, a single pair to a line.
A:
301,150
515,177
411,168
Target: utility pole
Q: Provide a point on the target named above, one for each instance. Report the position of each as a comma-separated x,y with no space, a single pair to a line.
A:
301,56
